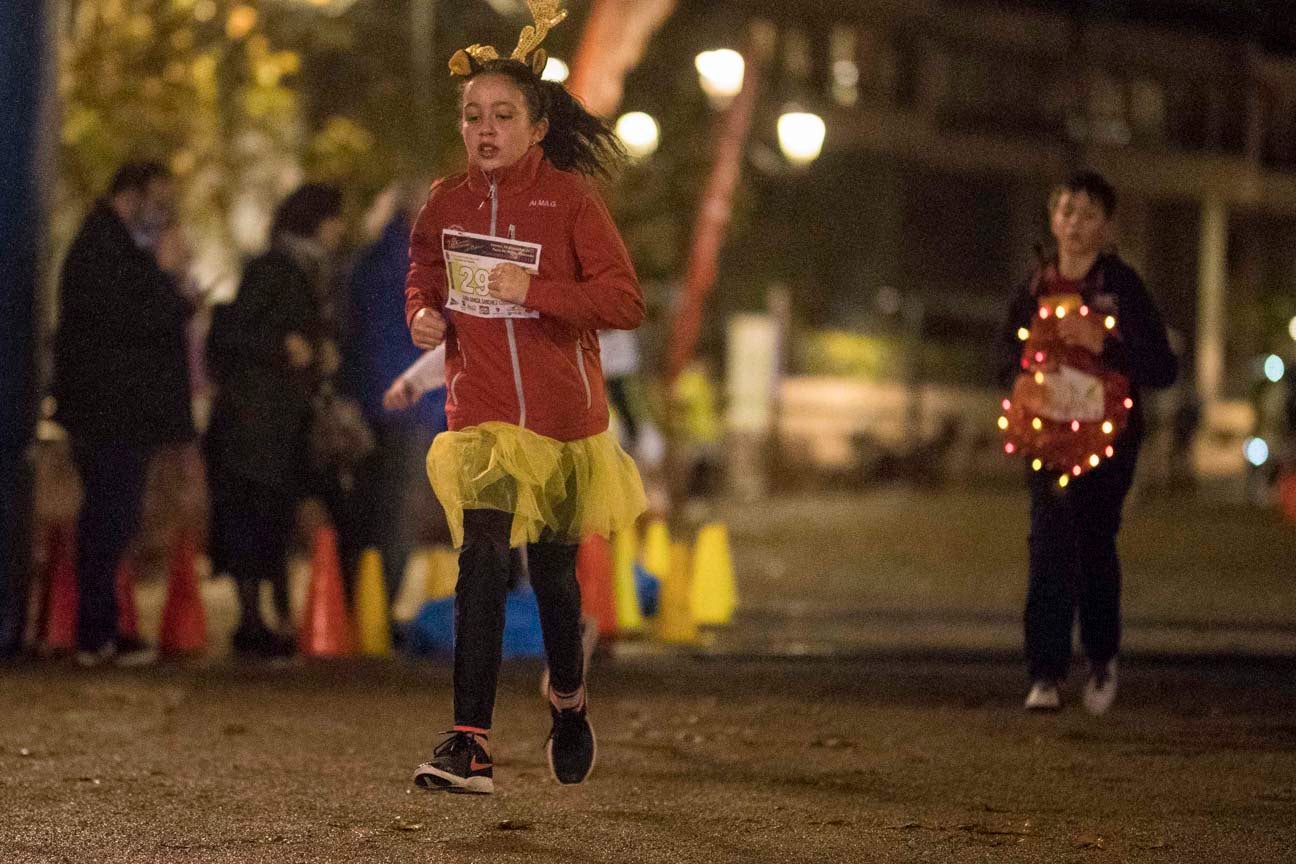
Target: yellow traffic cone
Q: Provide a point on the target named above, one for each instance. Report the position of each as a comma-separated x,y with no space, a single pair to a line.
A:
443,573
656,553
373,629
675,622
629,618
713,592
413,588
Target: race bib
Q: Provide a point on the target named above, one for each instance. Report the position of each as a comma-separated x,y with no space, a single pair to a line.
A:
470,258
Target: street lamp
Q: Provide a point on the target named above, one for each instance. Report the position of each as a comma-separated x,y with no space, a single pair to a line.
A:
1274,368
801,136
555,70
639,132
721,74
1256,451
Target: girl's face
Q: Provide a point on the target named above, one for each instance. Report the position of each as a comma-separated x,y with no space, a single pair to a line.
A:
496,129
1079,225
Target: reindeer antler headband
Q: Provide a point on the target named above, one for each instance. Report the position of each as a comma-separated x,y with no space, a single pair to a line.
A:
546,14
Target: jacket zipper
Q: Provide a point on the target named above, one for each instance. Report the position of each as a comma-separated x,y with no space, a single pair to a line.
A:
508,322
580,364
454,397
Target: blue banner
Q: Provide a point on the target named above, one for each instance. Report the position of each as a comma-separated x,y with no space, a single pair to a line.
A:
22,84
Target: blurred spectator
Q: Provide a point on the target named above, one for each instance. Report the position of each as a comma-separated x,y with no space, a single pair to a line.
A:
1289,416
619,356
698,431
273,356
121,380
391,495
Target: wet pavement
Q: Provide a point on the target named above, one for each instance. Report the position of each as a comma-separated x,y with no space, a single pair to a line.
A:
864,706
700,760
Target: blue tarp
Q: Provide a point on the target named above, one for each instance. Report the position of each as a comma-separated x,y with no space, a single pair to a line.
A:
432,630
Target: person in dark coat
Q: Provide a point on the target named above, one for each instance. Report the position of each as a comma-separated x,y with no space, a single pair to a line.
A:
391,494
121,380
1074,568
271,352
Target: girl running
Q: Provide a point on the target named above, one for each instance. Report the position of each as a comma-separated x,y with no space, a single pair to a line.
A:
528,458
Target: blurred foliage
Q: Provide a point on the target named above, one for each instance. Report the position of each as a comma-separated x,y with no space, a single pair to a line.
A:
246,98
184,81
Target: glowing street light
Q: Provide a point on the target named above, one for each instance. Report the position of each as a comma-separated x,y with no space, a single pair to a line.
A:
721,74
1256,451
1291,328
801,136
555,70
1274,368
639,132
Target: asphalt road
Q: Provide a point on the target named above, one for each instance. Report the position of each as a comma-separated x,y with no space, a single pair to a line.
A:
715,759
865,706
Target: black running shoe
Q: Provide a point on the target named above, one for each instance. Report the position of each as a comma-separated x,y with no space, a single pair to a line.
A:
571,748
459,764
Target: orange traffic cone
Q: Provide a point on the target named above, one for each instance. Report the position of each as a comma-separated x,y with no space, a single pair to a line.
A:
184,621
127,614
1287,494
59,613
326,627
594,573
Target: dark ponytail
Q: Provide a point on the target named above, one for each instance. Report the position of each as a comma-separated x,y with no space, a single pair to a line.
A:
577,140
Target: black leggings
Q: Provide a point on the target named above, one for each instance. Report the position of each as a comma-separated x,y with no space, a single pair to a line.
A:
484,568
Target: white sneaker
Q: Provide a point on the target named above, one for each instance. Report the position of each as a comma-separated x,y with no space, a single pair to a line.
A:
1044,696
1100,689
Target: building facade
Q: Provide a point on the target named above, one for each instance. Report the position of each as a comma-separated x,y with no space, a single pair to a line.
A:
949,120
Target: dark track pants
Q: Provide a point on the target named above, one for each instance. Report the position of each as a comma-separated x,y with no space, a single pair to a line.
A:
113,476
1074,568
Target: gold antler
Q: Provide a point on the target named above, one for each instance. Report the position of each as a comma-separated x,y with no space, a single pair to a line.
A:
547,15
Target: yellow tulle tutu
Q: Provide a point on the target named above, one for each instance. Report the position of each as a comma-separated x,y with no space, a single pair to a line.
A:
556,490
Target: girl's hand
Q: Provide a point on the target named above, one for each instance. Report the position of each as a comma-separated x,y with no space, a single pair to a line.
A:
509,282
427,330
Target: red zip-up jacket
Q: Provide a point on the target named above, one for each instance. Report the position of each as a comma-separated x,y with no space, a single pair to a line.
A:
543,374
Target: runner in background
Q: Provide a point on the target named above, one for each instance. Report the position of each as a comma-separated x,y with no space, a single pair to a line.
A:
1074,569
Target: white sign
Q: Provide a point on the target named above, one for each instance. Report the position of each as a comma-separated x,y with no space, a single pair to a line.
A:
470,258
752,367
